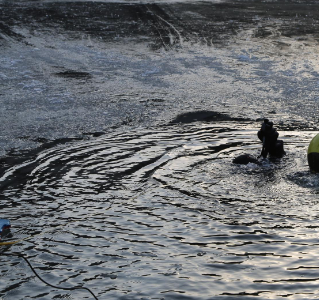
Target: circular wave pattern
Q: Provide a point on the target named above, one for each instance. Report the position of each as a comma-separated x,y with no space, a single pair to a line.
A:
162,213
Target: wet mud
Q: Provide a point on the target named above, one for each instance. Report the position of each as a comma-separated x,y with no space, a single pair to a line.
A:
74,74
205,116
211,23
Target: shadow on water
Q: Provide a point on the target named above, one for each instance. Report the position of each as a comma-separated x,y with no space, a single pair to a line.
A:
306,179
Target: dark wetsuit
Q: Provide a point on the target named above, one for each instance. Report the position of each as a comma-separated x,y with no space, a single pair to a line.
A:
269,137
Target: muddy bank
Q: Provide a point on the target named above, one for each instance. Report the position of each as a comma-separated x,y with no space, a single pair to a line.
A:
205,116
164,25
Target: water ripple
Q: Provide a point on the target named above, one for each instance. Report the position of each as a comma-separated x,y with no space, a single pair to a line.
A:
163,213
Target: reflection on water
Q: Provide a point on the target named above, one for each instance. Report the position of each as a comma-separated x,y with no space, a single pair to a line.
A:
162,213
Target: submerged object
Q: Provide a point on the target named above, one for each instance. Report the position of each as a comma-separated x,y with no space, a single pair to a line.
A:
313,154
278,150
245,159
4,228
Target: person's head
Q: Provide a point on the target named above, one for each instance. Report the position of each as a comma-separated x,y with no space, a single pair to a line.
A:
266,121
269,126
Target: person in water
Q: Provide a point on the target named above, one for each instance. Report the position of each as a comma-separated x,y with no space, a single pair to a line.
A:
269,137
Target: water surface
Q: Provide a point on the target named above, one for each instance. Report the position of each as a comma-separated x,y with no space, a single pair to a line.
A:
163,213
119,123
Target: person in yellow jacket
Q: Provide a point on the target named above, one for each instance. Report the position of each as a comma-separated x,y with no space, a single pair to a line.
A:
313,154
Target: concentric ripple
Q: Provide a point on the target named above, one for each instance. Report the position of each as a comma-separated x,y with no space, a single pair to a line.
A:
163,213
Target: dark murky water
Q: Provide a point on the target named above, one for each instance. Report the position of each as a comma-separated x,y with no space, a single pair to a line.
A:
119,123
163,213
